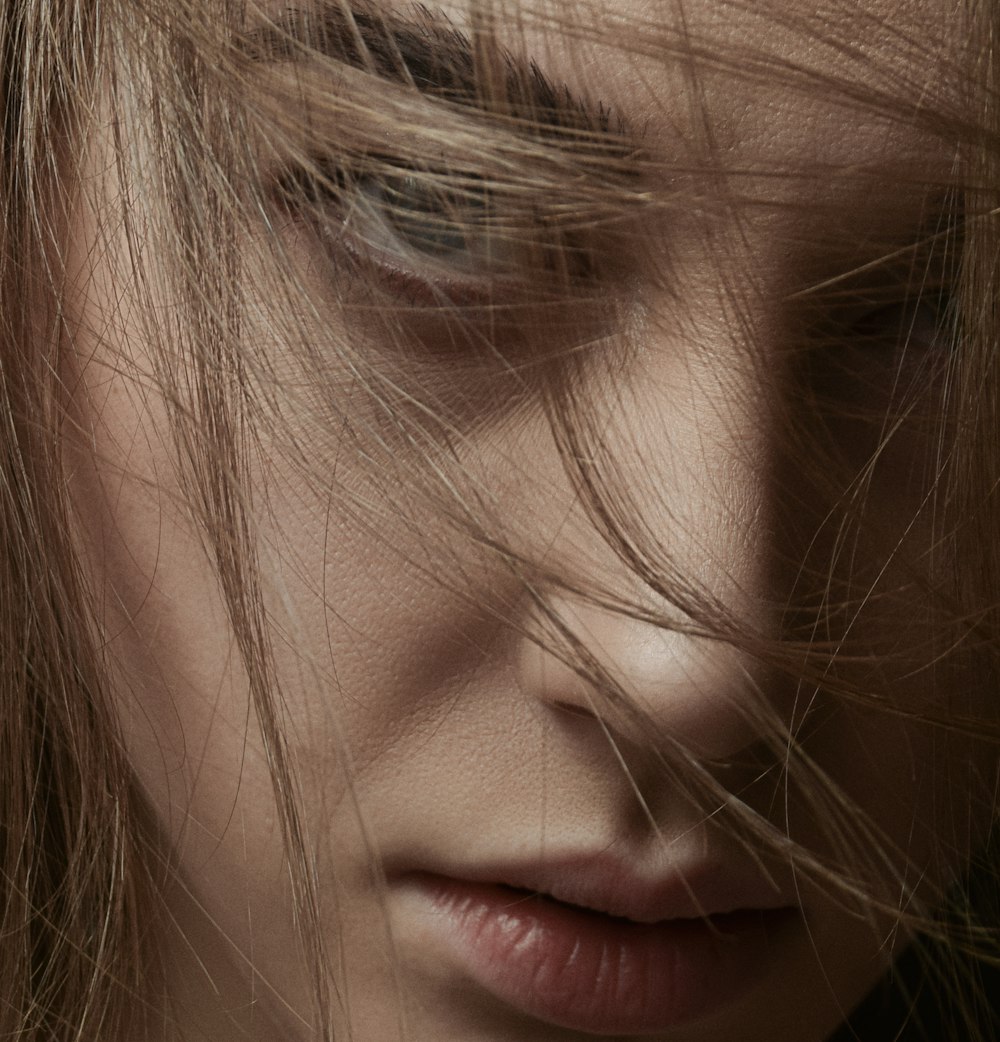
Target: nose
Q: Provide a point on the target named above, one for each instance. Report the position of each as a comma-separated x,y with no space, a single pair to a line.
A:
702,694
679,555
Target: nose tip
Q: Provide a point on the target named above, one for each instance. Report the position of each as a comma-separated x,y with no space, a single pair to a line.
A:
705,694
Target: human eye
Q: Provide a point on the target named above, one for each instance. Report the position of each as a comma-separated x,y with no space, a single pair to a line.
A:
902,340
430,238
872,364
410,221
888,327
911,307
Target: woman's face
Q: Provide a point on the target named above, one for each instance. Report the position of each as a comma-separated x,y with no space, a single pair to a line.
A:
447,767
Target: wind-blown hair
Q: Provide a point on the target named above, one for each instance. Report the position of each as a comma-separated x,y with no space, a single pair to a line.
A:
190,139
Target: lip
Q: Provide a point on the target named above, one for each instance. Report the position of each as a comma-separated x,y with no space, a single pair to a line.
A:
585,944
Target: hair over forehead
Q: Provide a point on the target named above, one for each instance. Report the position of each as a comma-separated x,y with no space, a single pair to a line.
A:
160,156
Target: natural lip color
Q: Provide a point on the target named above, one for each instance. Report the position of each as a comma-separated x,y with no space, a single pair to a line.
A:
604,957
604,883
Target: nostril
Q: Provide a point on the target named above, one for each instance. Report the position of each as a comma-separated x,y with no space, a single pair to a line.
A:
706,697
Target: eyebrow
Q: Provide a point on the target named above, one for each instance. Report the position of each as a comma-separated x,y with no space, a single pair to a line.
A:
427,52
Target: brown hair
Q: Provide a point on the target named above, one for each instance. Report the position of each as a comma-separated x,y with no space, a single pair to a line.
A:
217,130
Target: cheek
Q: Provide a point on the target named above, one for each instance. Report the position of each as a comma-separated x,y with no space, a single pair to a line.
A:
378,628
185,706
901,807
168,634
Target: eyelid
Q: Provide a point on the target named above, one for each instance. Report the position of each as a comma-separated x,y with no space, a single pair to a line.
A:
532,253
313,109
922,270
426,54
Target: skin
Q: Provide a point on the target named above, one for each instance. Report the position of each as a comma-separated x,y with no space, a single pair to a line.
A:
428,728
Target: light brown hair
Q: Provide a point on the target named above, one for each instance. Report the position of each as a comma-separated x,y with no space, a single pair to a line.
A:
218,128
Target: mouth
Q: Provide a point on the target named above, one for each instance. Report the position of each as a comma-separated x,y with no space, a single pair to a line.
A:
585,969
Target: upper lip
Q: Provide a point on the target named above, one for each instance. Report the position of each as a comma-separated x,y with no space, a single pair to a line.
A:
606,883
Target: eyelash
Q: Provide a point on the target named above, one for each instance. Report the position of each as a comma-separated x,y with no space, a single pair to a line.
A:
437,240
458,246
917,320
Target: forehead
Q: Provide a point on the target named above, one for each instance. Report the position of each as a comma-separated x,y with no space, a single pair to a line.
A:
766,84
829,126
770,81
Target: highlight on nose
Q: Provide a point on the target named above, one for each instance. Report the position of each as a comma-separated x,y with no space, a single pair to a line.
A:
707,695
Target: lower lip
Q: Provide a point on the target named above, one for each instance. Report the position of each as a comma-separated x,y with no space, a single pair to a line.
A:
591,972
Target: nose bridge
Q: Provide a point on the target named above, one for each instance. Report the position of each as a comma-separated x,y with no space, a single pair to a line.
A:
706,450
681,455
689,439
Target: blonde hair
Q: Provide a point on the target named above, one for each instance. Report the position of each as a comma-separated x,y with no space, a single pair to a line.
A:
195,110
